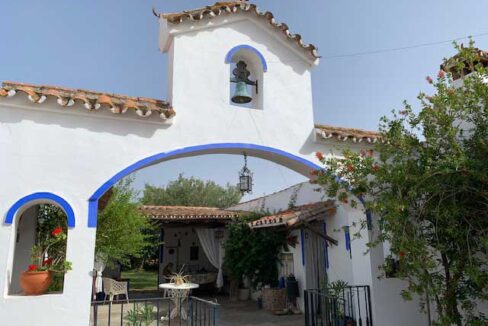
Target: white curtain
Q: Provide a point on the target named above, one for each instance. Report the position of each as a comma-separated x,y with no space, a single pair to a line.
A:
99,267
213,250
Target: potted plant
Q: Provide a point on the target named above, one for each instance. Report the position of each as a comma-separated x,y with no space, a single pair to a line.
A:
47,257
337,290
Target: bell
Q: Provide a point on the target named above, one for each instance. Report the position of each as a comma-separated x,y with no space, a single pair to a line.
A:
241,96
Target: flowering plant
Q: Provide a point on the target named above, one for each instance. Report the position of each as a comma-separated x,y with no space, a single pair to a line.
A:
50,253
424,191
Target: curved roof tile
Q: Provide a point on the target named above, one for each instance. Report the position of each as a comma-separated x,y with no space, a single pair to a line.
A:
326,132
92,100
231,7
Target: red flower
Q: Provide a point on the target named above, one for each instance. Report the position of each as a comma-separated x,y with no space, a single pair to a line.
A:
319,156
350,167
376,167
48,261
370,152
57,231
441,74
314,172
32,268
429,79
401,254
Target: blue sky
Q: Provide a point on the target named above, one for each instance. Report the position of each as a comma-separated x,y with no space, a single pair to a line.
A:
111,46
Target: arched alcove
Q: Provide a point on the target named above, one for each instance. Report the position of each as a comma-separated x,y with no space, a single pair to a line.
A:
249,59
35,219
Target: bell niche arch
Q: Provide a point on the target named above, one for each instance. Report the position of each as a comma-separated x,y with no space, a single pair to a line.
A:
246,76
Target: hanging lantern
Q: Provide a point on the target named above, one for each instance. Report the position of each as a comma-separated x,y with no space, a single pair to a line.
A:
245,178
241,78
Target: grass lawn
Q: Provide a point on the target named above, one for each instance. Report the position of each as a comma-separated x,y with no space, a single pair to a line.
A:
142,280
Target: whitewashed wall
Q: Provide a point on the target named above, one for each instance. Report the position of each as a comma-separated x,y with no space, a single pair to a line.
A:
181,256
25,240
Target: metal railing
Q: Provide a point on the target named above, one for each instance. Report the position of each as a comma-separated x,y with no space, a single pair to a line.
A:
203,312
349,307
155,312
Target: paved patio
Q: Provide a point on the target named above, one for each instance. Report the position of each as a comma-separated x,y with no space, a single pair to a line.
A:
246,313
232,313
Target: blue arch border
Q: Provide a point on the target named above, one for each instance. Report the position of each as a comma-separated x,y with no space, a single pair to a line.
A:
93,200
39,196
235,49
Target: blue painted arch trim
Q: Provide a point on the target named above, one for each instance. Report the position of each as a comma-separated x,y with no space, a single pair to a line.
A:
41,196
235,49
93,201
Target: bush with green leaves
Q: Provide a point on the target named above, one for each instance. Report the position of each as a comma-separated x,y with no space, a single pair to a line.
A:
140,315
426,184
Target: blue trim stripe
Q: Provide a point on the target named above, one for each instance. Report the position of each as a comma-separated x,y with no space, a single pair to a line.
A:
369,219
347,236
196,150
41,196
235,49
302,240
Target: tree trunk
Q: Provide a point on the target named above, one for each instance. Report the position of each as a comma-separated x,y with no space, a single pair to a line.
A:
450,297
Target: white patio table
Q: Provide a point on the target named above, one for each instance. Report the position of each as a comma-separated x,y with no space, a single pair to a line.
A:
178,294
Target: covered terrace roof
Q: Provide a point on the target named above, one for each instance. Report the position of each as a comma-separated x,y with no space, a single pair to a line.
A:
296,216
186,214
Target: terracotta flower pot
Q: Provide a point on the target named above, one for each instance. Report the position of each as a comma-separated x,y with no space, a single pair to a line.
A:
35,283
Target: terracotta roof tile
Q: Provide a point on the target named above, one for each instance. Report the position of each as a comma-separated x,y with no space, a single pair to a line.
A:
295,216
92,100
449,65
231,7
186,213
356,135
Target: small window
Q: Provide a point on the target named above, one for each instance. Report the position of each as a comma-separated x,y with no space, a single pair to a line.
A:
41,237
286,264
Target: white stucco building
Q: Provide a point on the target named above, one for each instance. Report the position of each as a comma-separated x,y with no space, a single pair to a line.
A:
69,146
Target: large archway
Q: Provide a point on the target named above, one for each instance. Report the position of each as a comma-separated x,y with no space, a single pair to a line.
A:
291,161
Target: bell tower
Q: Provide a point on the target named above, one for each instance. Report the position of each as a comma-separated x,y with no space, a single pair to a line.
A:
234,65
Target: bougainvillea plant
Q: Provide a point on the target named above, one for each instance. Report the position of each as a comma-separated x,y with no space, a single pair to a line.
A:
426,185
50,253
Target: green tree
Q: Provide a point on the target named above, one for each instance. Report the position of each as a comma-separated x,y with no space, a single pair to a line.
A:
122,231
191,192
428,190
